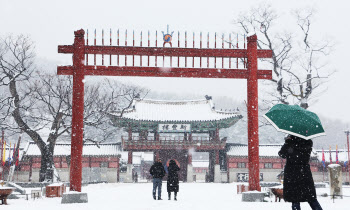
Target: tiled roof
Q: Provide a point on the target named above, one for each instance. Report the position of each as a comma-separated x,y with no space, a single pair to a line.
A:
265,150
112,149
190,110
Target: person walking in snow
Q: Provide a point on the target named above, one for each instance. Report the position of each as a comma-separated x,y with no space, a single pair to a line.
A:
173,179
298,184
157,171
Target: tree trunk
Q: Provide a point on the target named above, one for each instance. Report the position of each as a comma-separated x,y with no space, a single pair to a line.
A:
46,156
46,169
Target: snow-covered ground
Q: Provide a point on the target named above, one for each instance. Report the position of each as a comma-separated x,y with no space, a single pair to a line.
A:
191,196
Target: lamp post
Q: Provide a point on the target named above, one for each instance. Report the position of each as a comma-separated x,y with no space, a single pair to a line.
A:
347,135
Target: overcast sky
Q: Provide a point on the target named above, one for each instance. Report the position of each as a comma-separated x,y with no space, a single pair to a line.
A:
52,23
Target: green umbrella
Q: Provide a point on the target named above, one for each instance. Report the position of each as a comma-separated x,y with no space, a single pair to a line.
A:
295,120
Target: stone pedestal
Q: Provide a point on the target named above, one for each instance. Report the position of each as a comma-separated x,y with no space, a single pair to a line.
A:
217,174
335,180
189,173
253,196
128,176
74,197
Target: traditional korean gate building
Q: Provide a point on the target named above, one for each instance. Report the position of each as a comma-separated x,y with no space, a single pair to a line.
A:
174,130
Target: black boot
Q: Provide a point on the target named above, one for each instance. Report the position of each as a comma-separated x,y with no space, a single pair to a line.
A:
159,198
169,196
154,196
175,194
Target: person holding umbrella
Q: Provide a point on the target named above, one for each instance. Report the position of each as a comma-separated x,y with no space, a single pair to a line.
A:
173,179
301,125
298,184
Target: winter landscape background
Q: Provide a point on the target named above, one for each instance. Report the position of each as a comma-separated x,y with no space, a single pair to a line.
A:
47,24
52,23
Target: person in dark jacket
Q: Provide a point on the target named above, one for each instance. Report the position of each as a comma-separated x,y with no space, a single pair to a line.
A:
157,171
298,184
173,179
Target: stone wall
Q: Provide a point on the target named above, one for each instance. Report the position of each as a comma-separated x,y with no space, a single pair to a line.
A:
95,174
270,175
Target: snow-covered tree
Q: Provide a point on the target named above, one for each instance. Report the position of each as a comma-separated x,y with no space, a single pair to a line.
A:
40,104
299,61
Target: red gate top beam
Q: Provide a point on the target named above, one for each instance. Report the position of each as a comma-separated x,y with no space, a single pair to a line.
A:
164,72
159,51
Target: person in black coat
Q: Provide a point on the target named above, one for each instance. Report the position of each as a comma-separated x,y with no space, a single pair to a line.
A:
157,171
298,184
173,179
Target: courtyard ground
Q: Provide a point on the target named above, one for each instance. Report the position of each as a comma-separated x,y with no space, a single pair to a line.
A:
138,196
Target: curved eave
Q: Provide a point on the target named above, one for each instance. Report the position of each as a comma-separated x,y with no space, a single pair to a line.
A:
124,122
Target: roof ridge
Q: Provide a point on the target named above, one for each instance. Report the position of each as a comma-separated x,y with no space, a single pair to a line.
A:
157,101
259,145
32,142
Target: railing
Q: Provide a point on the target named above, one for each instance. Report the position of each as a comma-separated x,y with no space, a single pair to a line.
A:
167,138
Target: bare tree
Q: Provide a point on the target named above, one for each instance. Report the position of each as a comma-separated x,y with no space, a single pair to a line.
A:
37,102
298,58
110,97
53,109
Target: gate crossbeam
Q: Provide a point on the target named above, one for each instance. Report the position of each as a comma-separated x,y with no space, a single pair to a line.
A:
164,72
162,51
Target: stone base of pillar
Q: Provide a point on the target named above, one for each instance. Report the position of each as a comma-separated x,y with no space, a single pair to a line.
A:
128,176
253,196
217,174
336,180
189,173
74,197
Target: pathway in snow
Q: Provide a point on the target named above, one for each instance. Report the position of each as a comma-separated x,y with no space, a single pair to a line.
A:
191,196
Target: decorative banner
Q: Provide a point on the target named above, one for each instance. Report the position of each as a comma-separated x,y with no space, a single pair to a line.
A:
174,128
4,153
323,159
336,155
244,177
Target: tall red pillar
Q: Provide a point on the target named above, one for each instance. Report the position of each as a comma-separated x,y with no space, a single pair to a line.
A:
130,132
217,157
347,136
77,112
129,157
2,150
217,136
253,120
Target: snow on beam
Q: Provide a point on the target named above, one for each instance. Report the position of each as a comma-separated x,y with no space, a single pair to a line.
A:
164,72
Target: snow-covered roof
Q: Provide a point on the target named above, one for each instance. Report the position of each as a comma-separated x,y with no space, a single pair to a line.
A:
137,157
62,149
265,150
200,164
189,110
342,155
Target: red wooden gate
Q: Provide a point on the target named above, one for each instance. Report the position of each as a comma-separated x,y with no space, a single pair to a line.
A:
80,68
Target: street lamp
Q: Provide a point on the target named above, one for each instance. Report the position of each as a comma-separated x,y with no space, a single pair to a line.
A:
347,132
